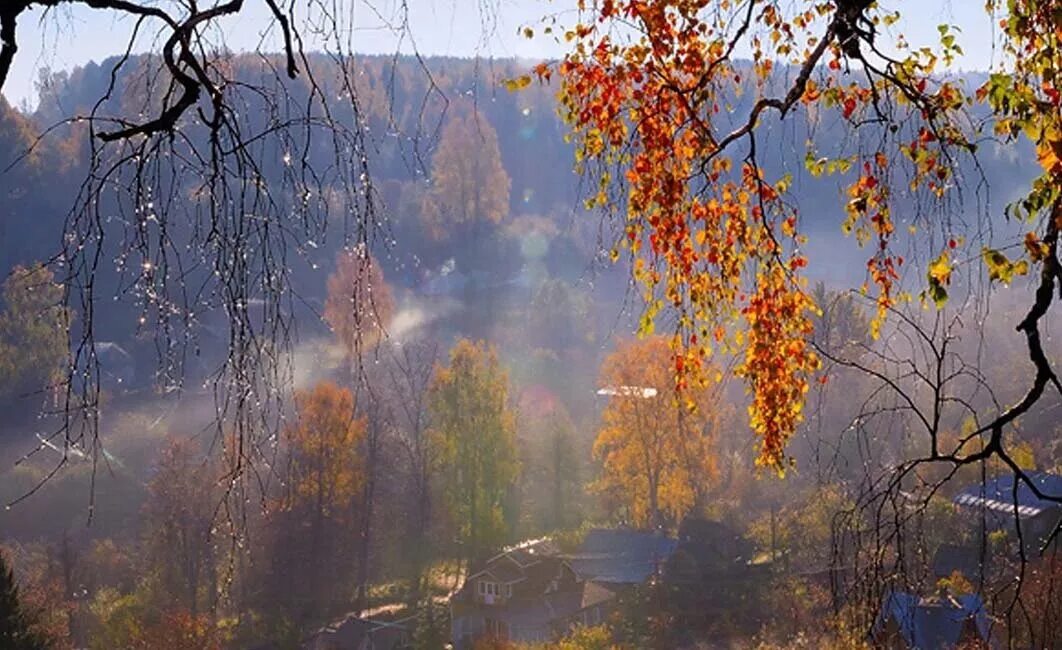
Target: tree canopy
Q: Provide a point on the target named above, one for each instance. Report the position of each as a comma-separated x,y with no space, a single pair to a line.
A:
32,332
657,450
469,185
360,303
474,431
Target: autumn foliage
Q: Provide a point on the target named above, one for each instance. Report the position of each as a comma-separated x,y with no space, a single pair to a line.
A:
656,100
312,526
721,254
469,185
20,626
182,504
657,450
325,470
360,303
32,331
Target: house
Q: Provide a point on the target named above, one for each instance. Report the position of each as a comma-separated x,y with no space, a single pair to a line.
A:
953,558
714,545
526,593
532,592
712,577
354,633
1001,502
621,557
909,622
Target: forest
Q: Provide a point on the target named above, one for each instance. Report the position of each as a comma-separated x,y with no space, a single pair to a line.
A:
730,328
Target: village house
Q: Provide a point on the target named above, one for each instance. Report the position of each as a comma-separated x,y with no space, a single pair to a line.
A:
355,633
621,557
908,622
532,592
939,622
1000,503
526,593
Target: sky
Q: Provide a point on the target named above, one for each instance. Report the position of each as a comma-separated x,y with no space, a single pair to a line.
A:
73,35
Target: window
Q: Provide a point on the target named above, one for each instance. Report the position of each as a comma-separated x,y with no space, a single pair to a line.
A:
591,616
488,588
508,591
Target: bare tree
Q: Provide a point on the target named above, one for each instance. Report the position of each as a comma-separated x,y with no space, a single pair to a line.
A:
409,373
922,434
210,176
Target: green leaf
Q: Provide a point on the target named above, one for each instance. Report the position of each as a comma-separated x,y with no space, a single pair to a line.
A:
938,293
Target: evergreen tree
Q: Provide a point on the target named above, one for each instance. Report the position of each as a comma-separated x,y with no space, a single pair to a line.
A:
17,624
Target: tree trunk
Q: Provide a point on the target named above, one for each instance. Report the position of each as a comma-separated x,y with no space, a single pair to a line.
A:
368,499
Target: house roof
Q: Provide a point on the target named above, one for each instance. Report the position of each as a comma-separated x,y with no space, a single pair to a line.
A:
621,556
532,581
503,570
586,595
999,494
508,565
352,631
950,558
532,551
555,607
932,623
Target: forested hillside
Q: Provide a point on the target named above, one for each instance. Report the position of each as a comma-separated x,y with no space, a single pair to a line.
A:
484,290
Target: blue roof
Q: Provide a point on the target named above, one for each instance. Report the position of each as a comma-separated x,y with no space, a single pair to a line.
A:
932,624
998,494
621,556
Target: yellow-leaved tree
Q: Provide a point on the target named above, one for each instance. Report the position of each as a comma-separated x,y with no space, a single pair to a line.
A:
314,522
657,449
469,184
323,443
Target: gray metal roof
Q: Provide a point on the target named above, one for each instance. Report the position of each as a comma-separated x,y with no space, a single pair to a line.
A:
621,556
999,494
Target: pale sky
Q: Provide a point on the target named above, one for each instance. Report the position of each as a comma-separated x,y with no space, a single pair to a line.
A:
69,37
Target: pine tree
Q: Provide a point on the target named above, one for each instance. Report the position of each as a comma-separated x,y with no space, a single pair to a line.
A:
17,624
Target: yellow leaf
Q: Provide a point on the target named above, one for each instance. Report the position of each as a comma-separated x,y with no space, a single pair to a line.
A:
940,269
519,83
939,275
1000,268
1049,153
